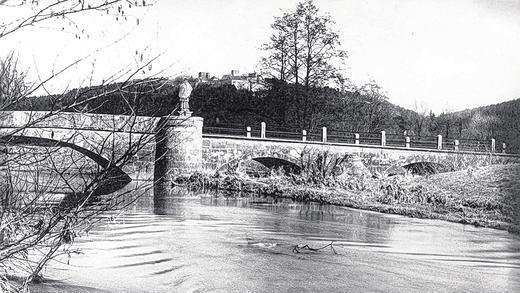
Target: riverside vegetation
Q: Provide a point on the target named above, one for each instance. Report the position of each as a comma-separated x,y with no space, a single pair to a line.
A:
478,192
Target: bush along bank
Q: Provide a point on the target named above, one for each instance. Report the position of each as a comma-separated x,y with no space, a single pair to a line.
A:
486,196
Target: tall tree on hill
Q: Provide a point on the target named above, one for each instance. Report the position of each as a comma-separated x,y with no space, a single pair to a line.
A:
321,45
277,62
304,48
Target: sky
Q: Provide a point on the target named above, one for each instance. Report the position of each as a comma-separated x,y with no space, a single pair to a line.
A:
442,55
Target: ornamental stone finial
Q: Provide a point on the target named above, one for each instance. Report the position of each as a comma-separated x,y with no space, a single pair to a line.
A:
184,97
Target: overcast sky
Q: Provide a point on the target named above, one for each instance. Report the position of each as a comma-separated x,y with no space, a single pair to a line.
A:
446,54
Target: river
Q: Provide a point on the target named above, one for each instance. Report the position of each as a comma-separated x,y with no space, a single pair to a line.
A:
208,244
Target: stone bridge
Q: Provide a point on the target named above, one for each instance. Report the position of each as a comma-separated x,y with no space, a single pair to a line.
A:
147,149
220,151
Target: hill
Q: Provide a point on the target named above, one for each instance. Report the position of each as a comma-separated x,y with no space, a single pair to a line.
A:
500,121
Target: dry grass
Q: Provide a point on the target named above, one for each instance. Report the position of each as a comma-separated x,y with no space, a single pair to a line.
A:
483,196
488,196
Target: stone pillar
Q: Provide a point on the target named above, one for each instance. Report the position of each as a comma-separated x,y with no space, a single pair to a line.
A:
439,142
324,134
504,148
248,132
493,146
178,151
356,138
407,142
383,138
304,135
262,130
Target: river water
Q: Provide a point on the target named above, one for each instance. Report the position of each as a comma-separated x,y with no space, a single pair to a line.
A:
208,244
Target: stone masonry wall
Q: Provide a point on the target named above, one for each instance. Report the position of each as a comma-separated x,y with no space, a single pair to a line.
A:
219,151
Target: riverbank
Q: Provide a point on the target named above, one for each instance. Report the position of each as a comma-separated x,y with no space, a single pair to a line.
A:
482,196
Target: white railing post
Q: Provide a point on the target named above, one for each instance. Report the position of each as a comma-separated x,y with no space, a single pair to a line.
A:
356,138
304,135
407,141
439,142
324,134
456,145
504,148
493,146
248,132
262,130
383,138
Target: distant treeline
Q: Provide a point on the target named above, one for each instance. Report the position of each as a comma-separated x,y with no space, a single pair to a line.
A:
499,121
288,106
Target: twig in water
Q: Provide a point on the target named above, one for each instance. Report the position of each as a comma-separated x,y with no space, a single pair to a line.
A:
297,248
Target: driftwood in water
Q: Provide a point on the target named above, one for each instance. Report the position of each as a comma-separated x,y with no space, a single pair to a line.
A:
298,248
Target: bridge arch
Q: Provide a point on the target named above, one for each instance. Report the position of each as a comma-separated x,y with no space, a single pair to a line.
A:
288,165
261,164
116,177
426,167
103,138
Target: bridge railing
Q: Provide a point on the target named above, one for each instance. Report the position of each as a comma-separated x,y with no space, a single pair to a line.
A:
395,140
367,138
283,133
449,143
225,129
339,136
474,145
424,142
325,135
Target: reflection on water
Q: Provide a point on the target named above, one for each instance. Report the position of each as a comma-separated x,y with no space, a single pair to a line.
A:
245,245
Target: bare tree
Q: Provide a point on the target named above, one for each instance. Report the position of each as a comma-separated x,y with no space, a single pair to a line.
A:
44,11
284,48
419,123
482,126
304,46
12,82
36,224
277,63
372,100
321,45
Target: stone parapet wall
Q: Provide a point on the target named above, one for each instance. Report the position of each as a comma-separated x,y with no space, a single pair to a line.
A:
67,120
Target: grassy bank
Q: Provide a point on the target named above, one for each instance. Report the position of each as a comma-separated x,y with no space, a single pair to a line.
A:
486,196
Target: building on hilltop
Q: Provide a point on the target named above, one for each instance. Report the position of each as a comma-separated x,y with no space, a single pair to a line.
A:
251,81
204,76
